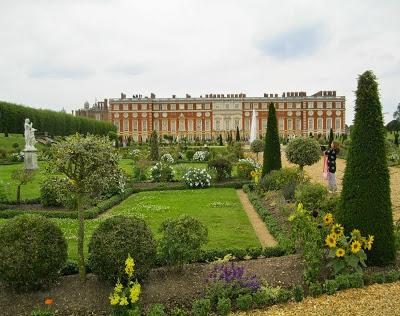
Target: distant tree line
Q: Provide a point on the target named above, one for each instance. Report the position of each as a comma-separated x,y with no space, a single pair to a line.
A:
12,117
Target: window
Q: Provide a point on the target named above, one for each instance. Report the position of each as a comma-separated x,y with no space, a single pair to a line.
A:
134,107
125,107
298,124
172,107
208,124
227,124
281,105
281,124
173,126
328,123
198,106
144,107
181,106
207,106
237,106
126,125
190,125
329,105
310,123
217,124
144,125
247,123
338,123
310,105
320,105
165,125
199,125
237,123
290,105
289,124
265,106
319,123
164,107
190,106
338,105
156,125
182,125
247,106
264,123
116,123
135,125
298,105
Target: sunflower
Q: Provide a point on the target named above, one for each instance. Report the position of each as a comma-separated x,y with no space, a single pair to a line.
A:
328,219
337,230
330,241
340,252
355,246
369,242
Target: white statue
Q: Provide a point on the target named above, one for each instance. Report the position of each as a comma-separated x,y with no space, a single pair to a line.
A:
29,133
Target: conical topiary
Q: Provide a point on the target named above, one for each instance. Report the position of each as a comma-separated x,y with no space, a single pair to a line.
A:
272,149
154,146
365,198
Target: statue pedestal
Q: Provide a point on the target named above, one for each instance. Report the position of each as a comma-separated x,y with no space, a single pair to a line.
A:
30,159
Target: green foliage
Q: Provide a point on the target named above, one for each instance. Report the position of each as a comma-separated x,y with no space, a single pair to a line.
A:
176,311
279,179
222,167
261,299
315,288
201,307
237,138
154,155
257,146
182,240
189,154
156,310
272,149
162,172
393,126
52,189
3,196
331,287
224,306
298,293
32,252
244,167
392,276
342,281
365,197
244,302
236,151
378,277
22,177
311,195
115,239
12,117
356,280
38,311
303,151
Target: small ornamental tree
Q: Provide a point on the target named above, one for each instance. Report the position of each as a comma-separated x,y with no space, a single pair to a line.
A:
220,140
393,126
237,134
331,137
272,149
303,151
365,198
154,155
22,177
91,166
257,146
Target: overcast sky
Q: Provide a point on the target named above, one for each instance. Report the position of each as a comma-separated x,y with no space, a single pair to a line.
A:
58,53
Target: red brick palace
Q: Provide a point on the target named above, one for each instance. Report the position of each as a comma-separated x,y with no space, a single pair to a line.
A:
208,116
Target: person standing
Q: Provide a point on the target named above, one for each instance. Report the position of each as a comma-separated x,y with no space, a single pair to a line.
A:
330,156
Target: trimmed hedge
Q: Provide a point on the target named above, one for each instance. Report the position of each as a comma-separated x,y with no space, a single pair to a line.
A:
12,118
271,222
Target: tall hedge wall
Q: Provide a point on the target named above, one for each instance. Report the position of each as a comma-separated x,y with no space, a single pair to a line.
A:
12,117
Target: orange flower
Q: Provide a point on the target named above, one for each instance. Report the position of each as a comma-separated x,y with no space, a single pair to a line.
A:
48,301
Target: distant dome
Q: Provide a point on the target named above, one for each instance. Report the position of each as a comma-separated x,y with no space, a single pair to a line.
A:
86,105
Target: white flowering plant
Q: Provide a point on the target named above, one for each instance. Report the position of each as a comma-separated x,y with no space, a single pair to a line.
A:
161,172
200,156
244,167
15,157
197,178
167,158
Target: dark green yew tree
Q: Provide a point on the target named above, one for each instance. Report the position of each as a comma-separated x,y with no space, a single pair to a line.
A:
272,149
365,198
154,146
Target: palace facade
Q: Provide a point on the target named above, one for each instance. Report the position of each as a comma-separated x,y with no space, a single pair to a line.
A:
208,116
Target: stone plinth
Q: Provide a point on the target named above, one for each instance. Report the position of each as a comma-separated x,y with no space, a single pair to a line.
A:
30,159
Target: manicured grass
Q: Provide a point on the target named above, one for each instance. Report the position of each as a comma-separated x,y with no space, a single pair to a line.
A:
6,142
219,209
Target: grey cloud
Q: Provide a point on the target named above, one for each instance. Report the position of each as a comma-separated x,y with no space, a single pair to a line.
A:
54,72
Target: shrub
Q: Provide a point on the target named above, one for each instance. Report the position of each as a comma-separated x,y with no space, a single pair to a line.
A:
197,178
189,154
365,197
244,168
222,167
115,239
140,169
283,295
343,282
3,196
236,150
331,287
311,195
181,239
315,288
257,146
201,307
298,293
32,251
176,311
392,276
161,172
356,280
244,302
260,299
303,151
49,190
224,306
278,179
378,277
200,156
167,158
156,310
272,149
154,146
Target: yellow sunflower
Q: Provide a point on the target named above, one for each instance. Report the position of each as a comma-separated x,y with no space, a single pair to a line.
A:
330,241
355,246
337,230
328,219
369,242
340,252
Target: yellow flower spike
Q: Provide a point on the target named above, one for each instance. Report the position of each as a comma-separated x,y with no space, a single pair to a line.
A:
135,292
330,241
328,219
129,266
123,301
114,299
337,230
355,246
340,252
299,207
118,287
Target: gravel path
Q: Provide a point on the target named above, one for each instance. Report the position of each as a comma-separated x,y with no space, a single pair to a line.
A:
265,237
374,300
